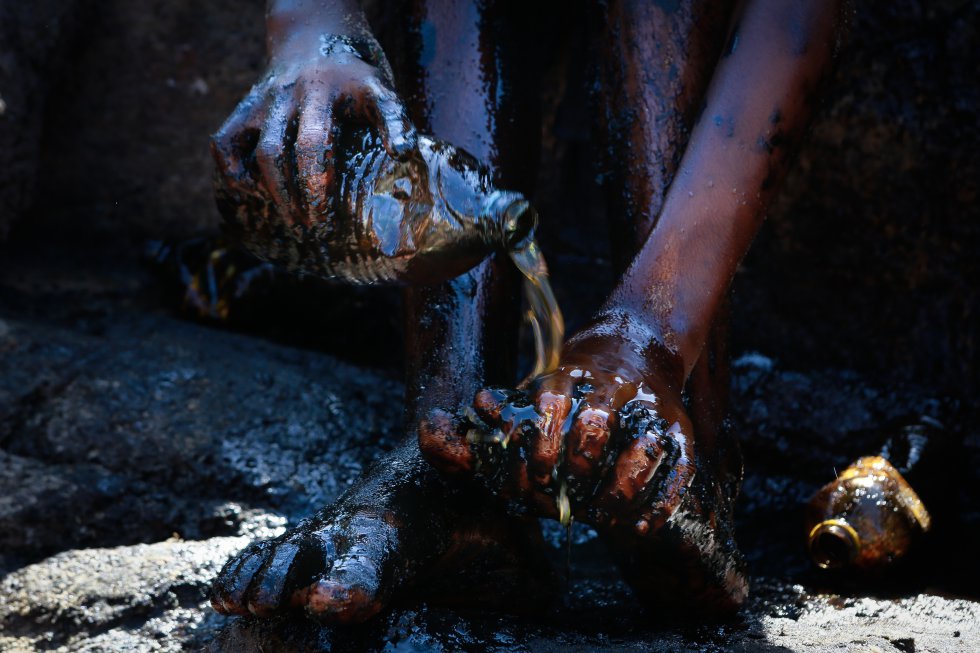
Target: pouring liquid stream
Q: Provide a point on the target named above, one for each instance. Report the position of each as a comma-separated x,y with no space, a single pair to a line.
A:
543,313
548,326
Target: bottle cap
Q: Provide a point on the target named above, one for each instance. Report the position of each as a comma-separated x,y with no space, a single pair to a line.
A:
515,216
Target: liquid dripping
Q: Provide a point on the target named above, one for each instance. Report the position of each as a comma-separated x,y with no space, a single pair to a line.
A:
548,325
543,312
564,506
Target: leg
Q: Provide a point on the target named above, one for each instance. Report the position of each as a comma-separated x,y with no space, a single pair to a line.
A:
655,65
655,69
759,101
402,525
490,111
609,437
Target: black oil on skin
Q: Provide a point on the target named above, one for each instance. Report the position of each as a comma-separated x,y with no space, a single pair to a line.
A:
405,519
659,56
693,560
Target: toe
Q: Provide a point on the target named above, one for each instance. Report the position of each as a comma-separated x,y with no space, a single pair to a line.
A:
362,572
350,593
229,589
266,593
336,601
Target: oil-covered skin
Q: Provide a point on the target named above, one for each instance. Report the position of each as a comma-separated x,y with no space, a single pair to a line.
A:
610,425
403,527
656,59
320,170
424,219
399,529
325,72
757,107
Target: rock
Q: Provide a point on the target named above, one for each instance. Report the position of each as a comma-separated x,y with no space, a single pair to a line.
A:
147,597
154,426
920,623
813,624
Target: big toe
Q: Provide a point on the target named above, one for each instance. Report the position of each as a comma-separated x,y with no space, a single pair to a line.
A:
351,593
340,602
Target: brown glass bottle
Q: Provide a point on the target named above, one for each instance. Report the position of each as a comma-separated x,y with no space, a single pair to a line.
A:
872,513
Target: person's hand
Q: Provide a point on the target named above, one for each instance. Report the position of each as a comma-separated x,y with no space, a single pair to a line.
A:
604,438
274,156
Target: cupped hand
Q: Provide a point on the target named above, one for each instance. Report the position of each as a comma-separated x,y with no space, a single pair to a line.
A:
604,438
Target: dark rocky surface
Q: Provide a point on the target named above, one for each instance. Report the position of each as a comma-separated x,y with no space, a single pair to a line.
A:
140,451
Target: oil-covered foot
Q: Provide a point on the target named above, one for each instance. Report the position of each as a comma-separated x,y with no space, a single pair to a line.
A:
401,531
606,439
341,567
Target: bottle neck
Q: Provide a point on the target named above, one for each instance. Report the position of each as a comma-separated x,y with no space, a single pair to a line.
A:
508,217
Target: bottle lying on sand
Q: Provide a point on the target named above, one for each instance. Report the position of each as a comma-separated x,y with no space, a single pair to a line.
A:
873,513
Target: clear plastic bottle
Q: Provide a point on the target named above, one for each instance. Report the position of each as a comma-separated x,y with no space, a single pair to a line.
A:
426,219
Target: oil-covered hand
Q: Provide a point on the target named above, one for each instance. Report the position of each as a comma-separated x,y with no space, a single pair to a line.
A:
277,146
320,170
604,438
277,181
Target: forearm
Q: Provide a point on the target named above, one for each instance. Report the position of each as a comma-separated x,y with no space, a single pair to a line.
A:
758,105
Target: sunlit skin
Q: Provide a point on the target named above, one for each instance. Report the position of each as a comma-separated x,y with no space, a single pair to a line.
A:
643,466
641,347
320,170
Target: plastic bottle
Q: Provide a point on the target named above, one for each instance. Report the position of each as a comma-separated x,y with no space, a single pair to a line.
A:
423,220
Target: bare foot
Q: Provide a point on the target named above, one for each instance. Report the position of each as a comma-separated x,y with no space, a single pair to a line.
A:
400,531
606,439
